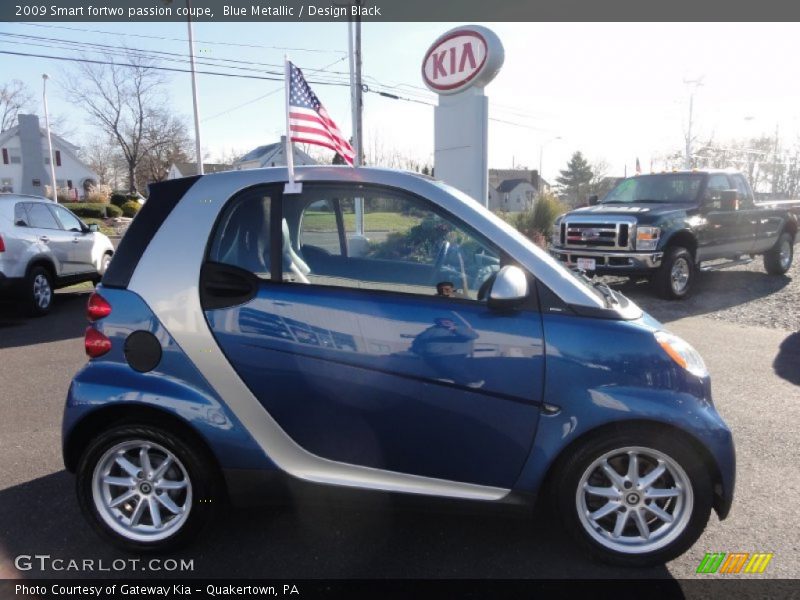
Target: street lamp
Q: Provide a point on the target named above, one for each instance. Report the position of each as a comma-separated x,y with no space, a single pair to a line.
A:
49,139
541,154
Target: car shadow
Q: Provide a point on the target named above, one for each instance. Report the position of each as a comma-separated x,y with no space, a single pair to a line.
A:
376,537
67,320
787,362
713,291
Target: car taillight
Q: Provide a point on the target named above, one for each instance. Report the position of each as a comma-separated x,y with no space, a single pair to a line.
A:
2,244
97,307
95,343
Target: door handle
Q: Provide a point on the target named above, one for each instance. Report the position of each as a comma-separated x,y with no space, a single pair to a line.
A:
44,238
75,240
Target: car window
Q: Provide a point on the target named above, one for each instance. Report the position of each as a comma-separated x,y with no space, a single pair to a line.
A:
242,235
406,246
716,184
318,227
21,215
41,217
68,220
745,195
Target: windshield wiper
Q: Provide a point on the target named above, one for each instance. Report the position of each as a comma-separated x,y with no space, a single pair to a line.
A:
602,287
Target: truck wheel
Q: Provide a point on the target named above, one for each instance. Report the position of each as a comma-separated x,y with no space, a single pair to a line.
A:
635,498
39,291
778,260
674,278
146,489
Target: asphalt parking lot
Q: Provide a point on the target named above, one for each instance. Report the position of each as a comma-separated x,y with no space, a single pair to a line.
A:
743,322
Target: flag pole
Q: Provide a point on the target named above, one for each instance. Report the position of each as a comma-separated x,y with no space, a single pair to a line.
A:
291,187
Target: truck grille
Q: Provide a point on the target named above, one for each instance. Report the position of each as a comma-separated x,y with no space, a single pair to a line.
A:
595,234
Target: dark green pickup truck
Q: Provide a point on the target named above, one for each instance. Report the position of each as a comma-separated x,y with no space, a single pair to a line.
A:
669,226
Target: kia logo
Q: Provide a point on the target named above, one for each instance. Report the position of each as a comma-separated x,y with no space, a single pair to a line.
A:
460,58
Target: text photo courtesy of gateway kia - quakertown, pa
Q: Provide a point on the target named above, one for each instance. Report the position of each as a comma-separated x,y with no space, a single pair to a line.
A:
366,299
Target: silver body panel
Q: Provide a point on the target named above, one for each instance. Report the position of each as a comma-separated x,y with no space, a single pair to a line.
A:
173,295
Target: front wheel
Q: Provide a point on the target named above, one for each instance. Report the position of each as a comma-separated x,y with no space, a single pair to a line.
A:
674,278
778,260
634,499
39,291
145,489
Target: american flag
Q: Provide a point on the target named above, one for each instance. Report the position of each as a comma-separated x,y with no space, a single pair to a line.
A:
309,121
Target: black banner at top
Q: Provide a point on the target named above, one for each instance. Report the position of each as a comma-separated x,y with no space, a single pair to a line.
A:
398,10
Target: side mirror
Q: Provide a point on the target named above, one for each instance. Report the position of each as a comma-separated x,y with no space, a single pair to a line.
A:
729,200
593,199
509,288
93,227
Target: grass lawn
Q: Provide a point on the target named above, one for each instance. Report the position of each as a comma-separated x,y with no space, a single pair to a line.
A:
375,221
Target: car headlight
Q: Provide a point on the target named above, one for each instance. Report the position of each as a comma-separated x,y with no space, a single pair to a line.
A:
682,353
555,237
647,237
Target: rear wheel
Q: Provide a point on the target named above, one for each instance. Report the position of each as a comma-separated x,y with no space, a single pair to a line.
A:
778,260
145,489
634,499
39,290
675,277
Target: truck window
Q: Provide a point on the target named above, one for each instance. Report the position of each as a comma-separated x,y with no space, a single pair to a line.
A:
717,183
745,194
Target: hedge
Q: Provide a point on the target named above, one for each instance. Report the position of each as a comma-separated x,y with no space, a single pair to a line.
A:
91,210
130,208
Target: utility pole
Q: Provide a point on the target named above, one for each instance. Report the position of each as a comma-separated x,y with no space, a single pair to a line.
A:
198,152
695,83
356,91
49,139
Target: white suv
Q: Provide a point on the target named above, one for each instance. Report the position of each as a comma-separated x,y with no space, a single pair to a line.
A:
44,246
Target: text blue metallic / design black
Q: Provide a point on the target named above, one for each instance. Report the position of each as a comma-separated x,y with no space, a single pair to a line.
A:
243,337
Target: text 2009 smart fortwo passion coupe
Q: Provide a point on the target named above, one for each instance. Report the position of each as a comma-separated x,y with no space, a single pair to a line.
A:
379,330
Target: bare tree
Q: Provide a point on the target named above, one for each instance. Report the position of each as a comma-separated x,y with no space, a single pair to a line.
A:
14,98
104,158
166,141
125,102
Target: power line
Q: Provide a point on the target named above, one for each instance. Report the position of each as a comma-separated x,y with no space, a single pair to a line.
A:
160,68
183,40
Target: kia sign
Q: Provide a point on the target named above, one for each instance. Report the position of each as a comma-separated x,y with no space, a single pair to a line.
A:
462,57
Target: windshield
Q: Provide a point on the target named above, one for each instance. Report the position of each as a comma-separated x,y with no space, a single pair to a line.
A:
661,188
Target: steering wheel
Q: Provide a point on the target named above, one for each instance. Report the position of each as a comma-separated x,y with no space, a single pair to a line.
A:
445,250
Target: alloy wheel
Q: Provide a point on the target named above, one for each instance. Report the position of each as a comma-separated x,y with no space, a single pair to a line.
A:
142,490
634,500
42,292
679,275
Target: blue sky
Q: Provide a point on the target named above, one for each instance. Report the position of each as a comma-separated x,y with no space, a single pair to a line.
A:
614,91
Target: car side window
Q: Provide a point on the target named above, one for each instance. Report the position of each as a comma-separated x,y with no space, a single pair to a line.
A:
745,195
717,184
41,217
20,215
69,221
319,228
242,234
406,246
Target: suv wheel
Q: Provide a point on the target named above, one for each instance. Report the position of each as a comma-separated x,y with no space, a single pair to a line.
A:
634,499
778,260
145,489
674,278
40,291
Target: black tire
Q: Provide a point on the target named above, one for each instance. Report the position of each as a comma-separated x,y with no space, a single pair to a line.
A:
569,472
774,262
674,257
206,486
39,292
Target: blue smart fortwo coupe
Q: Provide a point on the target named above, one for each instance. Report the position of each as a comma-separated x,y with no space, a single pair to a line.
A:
379,330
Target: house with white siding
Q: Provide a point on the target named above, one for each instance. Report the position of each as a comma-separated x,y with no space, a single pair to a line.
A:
25,166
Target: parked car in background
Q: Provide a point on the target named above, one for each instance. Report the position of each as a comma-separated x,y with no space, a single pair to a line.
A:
43,247
244,336
669,226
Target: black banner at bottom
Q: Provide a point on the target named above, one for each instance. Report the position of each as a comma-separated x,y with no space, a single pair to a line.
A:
390,589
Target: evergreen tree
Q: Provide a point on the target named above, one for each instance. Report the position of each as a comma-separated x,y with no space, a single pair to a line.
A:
575,179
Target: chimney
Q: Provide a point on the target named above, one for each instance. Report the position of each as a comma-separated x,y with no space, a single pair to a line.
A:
33,167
